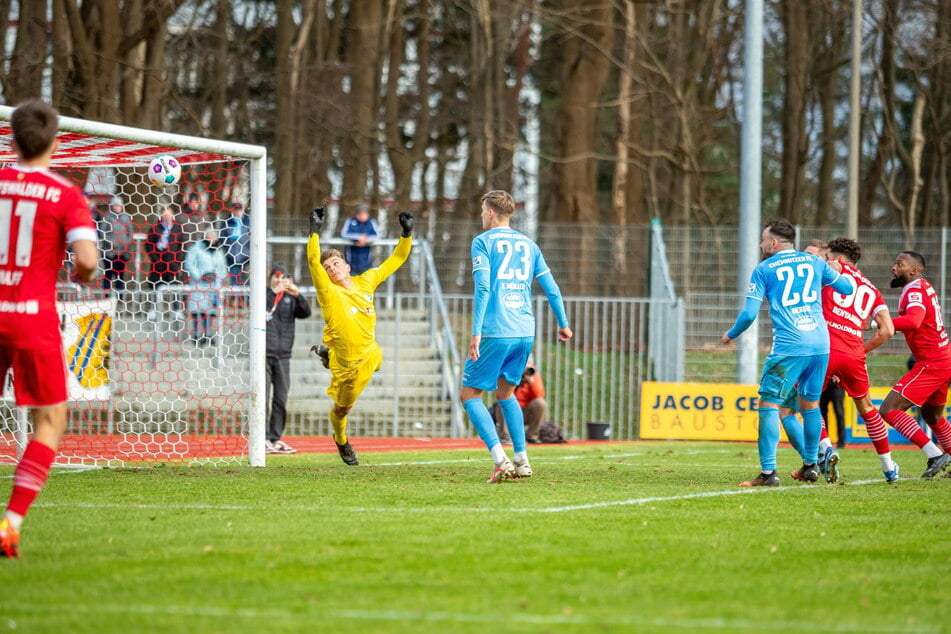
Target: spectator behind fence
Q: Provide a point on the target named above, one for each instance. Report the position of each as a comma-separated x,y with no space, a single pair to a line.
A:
530,394
834,395
163,245
236,239
192,220
118,245
207,270
362,230
285,305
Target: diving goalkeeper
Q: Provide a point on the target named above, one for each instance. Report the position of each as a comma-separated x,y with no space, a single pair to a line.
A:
346,301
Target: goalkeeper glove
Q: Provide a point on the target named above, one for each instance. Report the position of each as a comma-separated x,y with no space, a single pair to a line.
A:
316,219
406,222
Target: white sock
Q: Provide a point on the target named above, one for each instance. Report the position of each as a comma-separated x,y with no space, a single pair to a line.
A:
824,444
520,457
16,520
498,454
931,450
886,460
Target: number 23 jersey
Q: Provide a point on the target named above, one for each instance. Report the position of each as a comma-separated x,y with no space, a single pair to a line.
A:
511,261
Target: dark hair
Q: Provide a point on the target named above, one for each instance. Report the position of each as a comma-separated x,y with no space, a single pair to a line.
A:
917,257
848,247
781,229
34,125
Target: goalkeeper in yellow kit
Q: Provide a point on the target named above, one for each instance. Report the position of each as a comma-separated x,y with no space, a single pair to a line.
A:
351,351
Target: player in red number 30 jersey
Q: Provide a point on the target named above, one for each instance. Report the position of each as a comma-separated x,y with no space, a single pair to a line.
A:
926,384
40,213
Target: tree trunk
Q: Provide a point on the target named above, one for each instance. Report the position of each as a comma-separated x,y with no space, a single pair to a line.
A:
795,139
363,63
584,71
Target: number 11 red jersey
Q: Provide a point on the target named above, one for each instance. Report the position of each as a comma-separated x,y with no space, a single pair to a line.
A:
40,212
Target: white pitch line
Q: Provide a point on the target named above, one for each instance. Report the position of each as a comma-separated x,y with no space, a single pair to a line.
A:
689,496
437,509
442,616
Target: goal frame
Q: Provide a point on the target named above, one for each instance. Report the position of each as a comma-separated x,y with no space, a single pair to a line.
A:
257,155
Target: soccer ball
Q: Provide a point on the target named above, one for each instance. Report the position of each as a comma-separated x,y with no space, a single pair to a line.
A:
165,170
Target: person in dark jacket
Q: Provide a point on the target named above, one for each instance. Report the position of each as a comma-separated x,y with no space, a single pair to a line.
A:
164,248
363,231
285,305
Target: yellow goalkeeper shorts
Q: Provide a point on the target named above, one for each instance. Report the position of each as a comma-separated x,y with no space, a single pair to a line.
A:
350,378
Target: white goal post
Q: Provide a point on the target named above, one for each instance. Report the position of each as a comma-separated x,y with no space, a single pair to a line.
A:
167,369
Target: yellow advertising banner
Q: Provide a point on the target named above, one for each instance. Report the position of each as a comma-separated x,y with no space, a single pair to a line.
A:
699,411
728,411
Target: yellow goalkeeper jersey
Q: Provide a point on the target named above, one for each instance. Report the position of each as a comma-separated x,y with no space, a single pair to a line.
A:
349,314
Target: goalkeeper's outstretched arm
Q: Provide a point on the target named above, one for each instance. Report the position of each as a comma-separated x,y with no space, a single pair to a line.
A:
317,272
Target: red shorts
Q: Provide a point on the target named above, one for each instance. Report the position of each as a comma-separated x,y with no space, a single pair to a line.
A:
852,373
39,375
925,384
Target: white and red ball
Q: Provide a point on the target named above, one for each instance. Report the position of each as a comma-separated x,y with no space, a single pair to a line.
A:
165,170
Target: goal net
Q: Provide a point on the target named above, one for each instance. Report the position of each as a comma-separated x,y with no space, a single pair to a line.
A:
165,349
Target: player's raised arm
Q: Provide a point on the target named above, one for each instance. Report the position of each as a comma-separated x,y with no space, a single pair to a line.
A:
317,273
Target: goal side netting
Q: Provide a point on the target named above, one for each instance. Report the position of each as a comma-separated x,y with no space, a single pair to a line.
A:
164,350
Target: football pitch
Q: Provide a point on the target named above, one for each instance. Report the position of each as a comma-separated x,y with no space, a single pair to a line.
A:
606,537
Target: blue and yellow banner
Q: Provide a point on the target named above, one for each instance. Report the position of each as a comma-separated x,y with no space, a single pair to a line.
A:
87,341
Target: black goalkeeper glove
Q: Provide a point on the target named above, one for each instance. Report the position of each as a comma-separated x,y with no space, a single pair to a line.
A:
406,221
323,353
316,219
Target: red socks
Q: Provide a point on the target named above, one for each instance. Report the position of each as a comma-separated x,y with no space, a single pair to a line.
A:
877,432
942,431
907,427
30,476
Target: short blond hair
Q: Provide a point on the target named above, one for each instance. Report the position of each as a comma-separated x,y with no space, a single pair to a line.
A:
331,253
499,201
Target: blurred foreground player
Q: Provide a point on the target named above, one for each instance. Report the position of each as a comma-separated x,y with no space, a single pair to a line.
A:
44,213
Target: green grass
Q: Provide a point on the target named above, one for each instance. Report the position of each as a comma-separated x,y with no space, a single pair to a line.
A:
613,537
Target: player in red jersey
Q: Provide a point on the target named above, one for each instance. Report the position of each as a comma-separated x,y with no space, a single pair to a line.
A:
40,213
847,316
926,384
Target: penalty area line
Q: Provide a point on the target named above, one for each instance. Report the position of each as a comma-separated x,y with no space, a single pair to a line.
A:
688,496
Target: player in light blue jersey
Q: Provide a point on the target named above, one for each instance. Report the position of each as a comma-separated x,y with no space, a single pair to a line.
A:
791,282
504,265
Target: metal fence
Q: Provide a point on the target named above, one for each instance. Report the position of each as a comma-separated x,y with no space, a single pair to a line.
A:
597,377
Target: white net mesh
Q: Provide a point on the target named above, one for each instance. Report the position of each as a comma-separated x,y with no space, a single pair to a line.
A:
158,346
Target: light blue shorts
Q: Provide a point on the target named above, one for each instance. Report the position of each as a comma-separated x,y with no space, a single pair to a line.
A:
783,376
499,357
